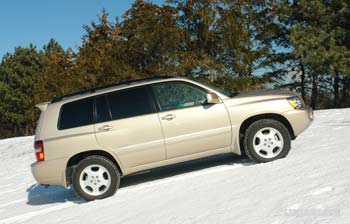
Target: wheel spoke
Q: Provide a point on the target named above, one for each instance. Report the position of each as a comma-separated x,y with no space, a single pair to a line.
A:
272,134
95,188
85,182
260,147
99,173
260,135
277,143
103,182
269,151
89,172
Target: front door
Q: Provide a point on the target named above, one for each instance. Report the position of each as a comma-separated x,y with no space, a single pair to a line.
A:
128,125
190,125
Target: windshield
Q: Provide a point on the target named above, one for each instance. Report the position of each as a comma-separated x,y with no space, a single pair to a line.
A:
222,91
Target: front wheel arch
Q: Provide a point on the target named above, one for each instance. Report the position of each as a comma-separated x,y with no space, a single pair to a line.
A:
250,120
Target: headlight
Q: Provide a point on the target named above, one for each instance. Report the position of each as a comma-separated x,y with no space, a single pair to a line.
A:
296,102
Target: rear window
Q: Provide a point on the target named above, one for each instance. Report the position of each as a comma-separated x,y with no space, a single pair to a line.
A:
130,103
102,110
76,114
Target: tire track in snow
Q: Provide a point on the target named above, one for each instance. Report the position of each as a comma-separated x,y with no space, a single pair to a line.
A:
26,216
7,191
12,202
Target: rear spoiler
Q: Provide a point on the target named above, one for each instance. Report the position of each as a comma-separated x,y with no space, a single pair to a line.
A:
42,106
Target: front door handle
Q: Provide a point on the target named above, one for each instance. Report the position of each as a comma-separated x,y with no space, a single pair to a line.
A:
105,128
168,117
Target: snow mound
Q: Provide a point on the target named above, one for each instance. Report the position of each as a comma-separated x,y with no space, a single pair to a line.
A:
311,185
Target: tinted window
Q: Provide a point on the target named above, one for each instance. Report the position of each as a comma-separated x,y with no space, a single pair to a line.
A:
75,114
129,103
102,111
175,95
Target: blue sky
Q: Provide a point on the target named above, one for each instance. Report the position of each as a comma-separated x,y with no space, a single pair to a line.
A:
36,21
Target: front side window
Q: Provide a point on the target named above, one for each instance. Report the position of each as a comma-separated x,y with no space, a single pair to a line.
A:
130,103
176,95
75,114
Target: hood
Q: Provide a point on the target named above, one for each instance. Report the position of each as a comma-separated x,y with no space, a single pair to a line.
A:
259,96
269,93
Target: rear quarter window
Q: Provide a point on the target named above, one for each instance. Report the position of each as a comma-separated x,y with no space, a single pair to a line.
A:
76,114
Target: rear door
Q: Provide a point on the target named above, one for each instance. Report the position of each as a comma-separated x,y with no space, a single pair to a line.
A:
127,124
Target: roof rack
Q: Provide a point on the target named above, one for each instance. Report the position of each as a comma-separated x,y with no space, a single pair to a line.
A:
92,90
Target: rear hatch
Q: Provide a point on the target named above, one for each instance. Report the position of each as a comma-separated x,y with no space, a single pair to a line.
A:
42,107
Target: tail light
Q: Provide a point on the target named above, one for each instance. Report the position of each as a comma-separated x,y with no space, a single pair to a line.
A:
39,151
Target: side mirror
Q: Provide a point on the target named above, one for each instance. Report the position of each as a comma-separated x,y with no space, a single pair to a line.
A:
212,98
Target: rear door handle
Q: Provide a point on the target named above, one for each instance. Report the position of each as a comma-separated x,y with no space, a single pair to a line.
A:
105,128
168,117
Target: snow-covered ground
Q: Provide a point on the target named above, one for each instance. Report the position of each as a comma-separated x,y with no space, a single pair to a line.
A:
312,185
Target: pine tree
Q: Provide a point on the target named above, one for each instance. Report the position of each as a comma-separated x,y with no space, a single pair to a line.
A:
318,40
18,76
152,39
102,57
58,75
200,51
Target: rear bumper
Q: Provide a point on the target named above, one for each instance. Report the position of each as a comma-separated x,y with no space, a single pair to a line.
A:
51,172
300,119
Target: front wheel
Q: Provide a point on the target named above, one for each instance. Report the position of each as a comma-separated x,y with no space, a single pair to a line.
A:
96,177
266,140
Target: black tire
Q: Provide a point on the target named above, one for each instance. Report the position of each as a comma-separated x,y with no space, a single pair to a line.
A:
101,161
257,126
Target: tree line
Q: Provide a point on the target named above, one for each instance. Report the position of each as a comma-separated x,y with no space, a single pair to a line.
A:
238,45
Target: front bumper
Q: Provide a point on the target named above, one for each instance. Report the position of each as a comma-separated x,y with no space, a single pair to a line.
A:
300,119
51,172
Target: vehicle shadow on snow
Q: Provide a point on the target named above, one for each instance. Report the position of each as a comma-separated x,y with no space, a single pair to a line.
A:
39,195
183,168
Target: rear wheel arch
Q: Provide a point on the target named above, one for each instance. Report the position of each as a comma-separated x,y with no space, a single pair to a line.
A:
250,120
74,160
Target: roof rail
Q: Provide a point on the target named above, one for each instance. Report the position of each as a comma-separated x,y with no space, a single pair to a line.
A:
92,90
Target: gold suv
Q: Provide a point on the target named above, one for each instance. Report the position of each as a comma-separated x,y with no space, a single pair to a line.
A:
92,138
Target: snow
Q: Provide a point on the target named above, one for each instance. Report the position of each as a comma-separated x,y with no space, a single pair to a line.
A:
311,185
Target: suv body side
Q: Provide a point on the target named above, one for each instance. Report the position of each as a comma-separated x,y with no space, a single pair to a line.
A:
167,135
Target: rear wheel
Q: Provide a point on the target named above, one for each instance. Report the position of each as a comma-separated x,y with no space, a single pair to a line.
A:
96,177
266,140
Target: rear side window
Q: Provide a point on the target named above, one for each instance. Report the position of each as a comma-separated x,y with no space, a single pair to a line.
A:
130,103
102,111
76,114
